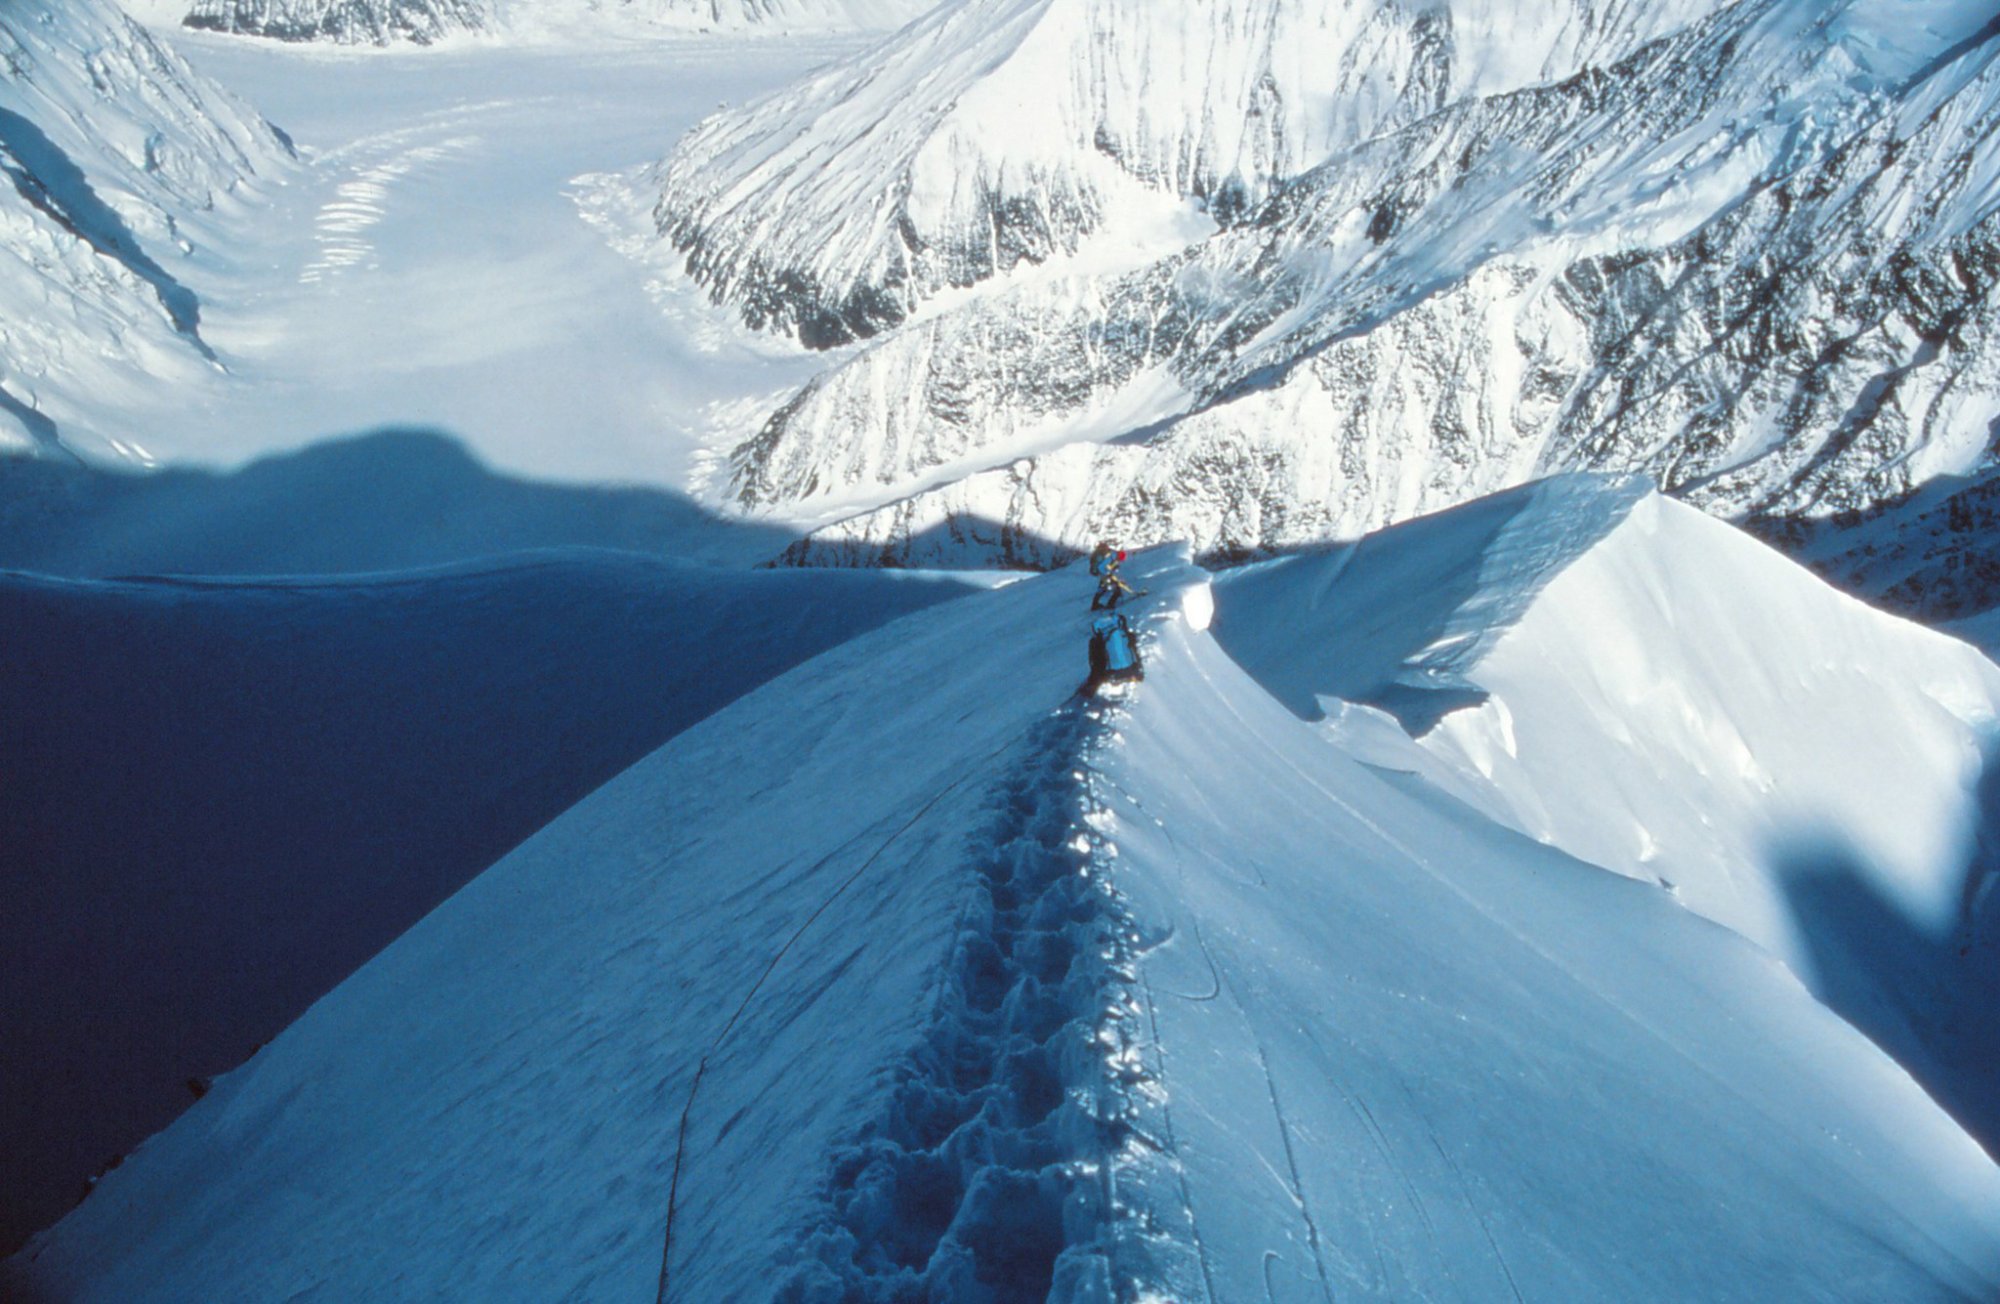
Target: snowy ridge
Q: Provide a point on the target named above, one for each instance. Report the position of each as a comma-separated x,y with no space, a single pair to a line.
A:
1597,699
121,169
811,811
823,984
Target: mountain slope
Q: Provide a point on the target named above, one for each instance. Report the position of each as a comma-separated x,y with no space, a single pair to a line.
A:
223,796
120,169
1010,131
347,22
901,978
1748,249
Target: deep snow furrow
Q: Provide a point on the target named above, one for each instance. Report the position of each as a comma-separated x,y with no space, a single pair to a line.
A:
990,1173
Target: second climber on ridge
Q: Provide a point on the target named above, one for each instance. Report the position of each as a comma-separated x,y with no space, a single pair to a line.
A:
1111,590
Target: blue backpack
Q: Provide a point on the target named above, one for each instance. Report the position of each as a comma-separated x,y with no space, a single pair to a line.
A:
1121,650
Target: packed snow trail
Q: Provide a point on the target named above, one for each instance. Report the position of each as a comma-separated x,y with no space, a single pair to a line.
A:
963,1177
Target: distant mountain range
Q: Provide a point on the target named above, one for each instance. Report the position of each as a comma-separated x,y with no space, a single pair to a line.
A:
1254,275
1259,276
423,22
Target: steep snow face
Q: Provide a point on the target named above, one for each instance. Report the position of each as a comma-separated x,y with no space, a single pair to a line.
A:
348,22
122,168
1003,132
1753,257
1653,692
900,979
380,740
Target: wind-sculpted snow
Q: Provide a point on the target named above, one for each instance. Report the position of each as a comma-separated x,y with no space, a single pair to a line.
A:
347,22
120,167
1615,674
1498,1036
1002,132
1754,258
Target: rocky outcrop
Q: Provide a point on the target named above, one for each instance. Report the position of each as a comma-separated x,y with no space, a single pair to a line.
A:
346,22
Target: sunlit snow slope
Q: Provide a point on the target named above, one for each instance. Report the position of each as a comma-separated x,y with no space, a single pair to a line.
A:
901,977
1622,677
120,168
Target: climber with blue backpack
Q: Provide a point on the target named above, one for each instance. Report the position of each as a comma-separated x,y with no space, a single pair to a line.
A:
1111,590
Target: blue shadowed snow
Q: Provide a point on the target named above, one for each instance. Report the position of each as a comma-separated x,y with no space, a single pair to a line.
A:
388,500
221,797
